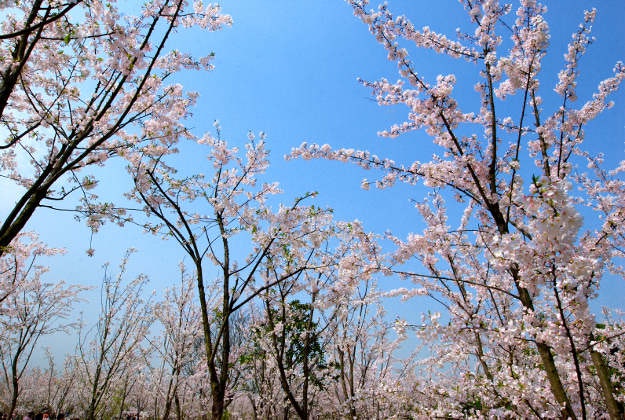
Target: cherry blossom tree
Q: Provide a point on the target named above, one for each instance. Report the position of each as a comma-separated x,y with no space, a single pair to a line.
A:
208,217
295,345
372,379
113,350
179,316
259,391
31,309
307,329
516,270
81,82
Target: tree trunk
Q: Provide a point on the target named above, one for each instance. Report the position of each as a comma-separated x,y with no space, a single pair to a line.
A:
218,406
615,408
13,396
546,357
179,415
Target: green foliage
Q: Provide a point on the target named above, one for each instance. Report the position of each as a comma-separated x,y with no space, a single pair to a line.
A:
302,338
304,342
471,406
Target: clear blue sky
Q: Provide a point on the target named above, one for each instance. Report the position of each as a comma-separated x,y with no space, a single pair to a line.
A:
289,68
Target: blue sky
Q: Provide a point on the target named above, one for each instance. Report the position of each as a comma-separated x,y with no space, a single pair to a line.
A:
290,68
